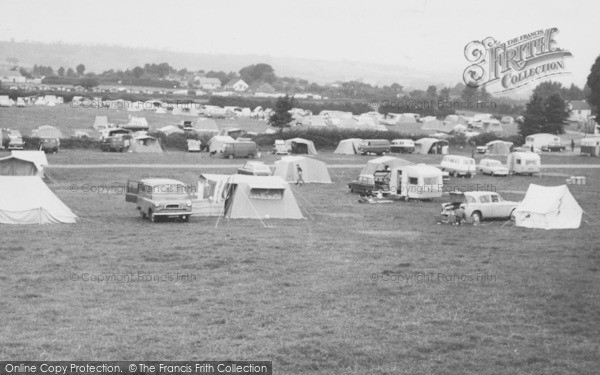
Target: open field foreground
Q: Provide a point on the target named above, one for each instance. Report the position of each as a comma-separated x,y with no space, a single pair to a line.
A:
353,289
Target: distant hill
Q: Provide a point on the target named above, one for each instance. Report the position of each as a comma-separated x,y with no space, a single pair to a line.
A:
98,58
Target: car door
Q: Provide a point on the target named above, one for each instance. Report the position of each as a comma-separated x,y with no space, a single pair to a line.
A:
486,206
132,191
501,208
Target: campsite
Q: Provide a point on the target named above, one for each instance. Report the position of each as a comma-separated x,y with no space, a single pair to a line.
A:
347,188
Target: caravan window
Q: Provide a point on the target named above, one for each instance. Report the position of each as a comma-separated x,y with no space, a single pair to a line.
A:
430,181
413,181
518,161
530,162
269,194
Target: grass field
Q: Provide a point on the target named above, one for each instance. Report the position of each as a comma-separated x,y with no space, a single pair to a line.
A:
325,295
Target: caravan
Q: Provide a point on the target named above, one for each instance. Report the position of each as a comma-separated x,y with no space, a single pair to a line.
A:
523,163
416,182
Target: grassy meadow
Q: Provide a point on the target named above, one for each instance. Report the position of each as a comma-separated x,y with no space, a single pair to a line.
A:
337,293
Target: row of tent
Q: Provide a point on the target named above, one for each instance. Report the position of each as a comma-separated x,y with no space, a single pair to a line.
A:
422,146
47,100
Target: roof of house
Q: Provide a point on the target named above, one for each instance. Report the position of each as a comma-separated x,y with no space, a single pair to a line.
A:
259,86
209,81
578,105
234,81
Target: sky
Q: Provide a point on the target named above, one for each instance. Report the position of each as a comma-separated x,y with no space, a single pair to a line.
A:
425,35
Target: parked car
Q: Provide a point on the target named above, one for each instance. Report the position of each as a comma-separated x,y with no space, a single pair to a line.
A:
402,146
481,149
374,146
480,205
553,147
492,167
160,198
49,145
239,150
112,144
459,165
15,141
255,168
280,148
364,184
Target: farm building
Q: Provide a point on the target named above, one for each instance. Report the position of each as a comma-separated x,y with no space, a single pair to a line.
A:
312,170
237,85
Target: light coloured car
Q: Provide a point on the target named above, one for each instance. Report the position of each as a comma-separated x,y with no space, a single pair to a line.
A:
459,165
482,205
255,168
492,167
160,198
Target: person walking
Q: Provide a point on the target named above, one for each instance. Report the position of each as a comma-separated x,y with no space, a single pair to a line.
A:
572,145
300,180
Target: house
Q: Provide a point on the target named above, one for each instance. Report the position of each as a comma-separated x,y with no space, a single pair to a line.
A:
11,76
261,87
237,84
209,83
580,111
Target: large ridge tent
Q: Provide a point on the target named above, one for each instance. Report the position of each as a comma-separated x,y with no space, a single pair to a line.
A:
206,125
46,131
548,207
37,157
431,146
499,147
260,197
314,121
145,144
136,124
15,166
383,162
301,146
170,129
348,146
312,170
210,199
27,200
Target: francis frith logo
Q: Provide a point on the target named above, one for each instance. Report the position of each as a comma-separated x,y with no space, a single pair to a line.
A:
506,66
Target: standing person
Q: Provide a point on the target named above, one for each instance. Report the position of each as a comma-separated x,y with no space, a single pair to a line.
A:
572,145
473,154
300,180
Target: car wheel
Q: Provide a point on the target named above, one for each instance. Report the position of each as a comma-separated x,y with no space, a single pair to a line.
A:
153,218
512,215
185,218
230,156
351,190
476,216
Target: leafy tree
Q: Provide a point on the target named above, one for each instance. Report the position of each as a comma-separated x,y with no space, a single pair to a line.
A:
593,82
88,82
70,73
258,72
61,72
469,94
137,72
80,69
534,119
24,73
556,113
445,93
282,117
432,92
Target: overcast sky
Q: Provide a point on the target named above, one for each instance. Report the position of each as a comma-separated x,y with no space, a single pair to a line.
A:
428,35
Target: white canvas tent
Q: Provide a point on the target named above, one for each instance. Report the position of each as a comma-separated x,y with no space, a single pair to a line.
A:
136,123
210,200
170,129
37,157
301,146
46,131
380,164
348,146
27,200
145,144
216,143
14,166
498,147
312,170
101,123
206,125
548,207
260,197
431,146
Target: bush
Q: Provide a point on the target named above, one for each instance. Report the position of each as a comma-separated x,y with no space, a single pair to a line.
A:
483,138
